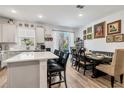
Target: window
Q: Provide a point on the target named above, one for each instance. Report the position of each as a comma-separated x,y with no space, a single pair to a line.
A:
63,40
26,36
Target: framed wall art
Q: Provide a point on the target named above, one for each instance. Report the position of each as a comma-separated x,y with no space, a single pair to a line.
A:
84,37
119,38
114,27
109,38
89,30
99,30
89,36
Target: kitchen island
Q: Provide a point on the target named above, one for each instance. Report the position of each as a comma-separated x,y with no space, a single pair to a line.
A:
28,70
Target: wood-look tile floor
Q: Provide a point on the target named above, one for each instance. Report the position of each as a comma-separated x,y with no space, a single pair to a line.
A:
3,78
74,80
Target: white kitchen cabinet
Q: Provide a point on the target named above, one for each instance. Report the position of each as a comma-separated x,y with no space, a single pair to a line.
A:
8,33
39,35
26,32
0,33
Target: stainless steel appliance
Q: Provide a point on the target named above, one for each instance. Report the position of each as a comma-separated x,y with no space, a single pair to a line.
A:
40,47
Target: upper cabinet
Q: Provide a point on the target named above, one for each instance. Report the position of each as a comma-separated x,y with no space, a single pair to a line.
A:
39,35
8,33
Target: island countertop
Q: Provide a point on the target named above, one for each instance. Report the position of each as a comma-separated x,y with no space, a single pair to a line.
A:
31,56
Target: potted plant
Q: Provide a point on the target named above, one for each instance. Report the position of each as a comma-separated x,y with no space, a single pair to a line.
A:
65,46
28,42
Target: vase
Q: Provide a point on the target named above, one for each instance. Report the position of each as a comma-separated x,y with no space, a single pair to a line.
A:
27,47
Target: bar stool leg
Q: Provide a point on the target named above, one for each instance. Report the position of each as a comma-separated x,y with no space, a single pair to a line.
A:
84,69
50,81
60,76
112,81
121,78
65,79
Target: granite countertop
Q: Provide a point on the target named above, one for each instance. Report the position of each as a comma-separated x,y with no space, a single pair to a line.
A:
31,56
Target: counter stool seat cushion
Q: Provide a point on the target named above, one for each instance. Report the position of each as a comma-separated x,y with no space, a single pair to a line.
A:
52,61
55,68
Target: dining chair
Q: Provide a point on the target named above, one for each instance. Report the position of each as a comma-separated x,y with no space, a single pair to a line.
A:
83,61
73,56
116,68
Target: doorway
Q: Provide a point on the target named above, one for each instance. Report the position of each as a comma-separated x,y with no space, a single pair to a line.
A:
63,40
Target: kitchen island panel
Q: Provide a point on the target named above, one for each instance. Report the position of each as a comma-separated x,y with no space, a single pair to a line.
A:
24,75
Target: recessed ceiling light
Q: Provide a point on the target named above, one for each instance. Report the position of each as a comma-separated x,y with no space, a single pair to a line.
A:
40,16
80,15
13,11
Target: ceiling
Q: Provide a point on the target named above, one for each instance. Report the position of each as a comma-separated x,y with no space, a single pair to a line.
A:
62,15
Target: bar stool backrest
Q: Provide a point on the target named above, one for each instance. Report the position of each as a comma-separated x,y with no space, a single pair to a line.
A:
56,52
64,60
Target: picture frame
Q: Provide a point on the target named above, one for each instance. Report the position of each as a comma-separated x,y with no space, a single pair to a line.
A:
99,30
89,30
84,37
119,38
89,37
114,27
109,39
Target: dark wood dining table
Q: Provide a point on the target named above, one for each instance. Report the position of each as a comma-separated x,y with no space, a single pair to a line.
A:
97,59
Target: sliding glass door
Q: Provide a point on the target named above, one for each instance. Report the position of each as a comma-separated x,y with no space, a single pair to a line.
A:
63,40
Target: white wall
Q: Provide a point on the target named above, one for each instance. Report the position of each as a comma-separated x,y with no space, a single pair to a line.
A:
56,37
100,44
77,33
71,39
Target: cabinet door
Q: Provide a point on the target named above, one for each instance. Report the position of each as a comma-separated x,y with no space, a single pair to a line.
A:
8,32
39,35
0,33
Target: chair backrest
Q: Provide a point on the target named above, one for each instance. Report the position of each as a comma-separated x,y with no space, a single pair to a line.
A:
61,53
118,62
64,60
56,52
81,54
73,51
81,51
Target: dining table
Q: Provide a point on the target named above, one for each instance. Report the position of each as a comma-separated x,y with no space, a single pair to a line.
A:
97,59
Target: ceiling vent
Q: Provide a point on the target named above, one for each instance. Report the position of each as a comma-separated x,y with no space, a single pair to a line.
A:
80,6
